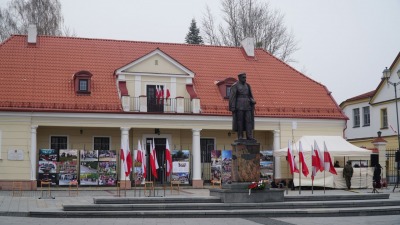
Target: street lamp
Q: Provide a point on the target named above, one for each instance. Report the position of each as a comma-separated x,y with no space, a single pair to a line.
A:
386,75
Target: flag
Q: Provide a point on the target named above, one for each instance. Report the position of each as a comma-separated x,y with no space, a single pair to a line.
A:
304,168
167,95
290,158
314,163
144,164
168,158
158,95
161,95
328,161
126,158
320,157
153,160
140,157
139,153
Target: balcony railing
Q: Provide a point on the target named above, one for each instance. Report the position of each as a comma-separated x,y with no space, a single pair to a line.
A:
170,105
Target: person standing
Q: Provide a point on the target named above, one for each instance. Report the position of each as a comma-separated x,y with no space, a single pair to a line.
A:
241,104
377,175
348,173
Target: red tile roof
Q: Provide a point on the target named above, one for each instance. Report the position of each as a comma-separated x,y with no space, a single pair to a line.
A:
40,77
369,94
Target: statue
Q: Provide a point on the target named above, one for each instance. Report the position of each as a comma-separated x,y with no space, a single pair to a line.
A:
241,104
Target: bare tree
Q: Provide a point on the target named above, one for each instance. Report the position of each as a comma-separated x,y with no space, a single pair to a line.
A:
45,14
250,18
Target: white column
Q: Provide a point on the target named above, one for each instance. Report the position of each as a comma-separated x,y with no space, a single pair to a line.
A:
33,151
277,160
124,142
196,154
277,138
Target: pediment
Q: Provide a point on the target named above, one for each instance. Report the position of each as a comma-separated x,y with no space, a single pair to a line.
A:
156,63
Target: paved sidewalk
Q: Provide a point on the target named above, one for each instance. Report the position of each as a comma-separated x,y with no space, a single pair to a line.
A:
21,203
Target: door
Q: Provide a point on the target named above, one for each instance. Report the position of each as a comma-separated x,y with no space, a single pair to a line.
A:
160,145
155,102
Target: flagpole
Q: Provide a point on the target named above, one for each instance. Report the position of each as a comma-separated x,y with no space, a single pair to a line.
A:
324,181
312,172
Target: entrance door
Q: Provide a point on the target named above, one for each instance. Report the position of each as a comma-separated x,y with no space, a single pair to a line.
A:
160,145
154,103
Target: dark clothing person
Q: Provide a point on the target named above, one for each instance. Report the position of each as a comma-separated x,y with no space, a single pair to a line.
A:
336,164
241,104
348,173
377,176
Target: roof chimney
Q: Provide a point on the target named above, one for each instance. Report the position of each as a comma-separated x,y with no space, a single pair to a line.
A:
32,34
248,46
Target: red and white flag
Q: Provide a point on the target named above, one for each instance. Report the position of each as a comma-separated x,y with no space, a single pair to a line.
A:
161,95
153,160
168,157
320,156
140,157
158,94
304,168
328,161
290,158
139,153
126,158
314,163
167,95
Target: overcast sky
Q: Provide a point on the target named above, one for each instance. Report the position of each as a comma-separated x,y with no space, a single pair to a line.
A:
344,44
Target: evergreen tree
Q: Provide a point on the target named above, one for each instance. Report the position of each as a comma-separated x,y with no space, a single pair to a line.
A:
193,36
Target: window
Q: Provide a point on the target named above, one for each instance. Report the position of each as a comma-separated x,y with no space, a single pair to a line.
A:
206,146
228,91
59,142
366,116
83,85
384,118
356,117
82,82
101,143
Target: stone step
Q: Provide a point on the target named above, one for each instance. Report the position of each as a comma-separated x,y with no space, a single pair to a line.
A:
315,212
229,206
156,200
336,197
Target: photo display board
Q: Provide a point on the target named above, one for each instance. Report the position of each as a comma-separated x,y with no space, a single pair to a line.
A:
107,168
67,166
266,164
47,166
216,165
180,166
226,166
89,167
137,169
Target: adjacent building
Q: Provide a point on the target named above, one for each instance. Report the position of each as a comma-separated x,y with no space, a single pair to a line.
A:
375,111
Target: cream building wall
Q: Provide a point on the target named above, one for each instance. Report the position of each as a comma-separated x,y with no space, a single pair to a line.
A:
16,133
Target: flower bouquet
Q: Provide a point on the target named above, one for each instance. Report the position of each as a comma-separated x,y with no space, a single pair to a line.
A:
256,186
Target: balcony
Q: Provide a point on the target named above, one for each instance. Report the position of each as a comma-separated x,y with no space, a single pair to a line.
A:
170,105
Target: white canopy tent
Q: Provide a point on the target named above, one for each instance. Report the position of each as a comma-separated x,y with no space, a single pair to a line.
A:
338,148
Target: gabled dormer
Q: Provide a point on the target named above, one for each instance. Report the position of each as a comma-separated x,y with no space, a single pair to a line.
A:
224,86
82,82
156,82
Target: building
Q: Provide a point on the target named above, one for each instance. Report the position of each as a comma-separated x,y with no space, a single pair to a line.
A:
374,111
67,93
373,120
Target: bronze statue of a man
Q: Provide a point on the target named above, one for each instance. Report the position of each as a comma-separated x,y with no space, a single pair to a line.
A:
241,104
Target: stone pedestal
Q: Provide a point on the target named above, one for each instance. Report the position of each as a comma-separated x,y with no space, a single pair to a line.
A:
239,193
245,162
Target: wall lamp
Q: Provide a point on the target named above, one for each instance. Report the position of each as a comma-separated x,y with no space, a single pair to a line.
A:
157,131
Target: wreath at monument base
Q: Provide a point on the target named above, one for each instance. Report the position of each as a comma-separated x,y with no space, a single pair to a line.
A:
256,186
